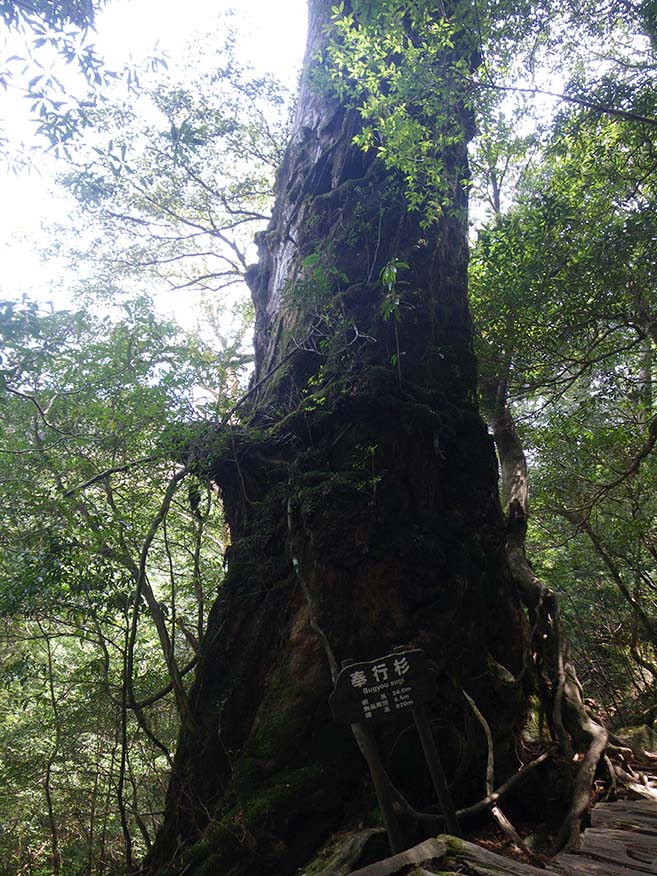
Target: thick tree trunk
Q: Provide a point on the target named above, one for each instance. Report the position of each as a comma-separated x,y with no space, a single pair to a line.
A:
361,494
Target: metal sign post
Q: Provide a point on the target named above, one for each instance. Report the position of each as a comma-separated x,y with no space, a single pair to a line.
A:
371,691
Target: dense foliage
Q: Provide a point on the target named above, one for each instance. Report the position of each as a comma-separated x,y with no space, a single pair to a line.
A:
112,550
564,297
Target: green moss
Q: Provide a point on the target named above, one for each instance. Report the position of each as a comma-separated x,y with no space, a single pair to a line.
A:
211,865
244,834
281,795
283,716
343,852
220,845
318,493
273,802
455,846
640,736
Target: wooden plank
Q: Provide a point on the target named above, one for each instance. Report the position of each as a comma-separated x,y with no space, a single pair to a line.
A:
426,851
344,852
478,859
636,851
639,806
641,791
488,863
638,815
580,865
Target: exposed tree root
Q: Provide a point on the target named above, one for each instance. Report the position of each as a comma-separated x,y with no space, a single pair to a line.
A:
582,738
503,822
478,808
493,796
568,835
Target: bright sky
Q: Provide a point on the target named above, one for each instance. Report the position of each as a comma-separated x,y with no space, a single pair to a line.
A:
271,38
273,33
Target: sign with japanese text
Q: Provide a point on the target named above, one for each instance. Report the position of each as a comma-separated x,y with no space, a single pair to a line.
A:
377,689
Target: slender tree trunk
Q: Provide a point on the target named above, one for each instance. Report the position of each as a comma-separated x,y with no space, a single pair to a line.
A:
103,857
56,857
123,756
361,494
93,809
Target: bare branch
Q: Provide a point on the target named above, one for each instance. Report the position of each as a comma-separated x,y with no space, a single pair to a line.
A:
105,474
601,108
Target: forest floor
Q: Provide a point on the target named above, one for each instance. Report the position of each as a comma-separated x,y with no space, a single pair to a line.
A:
621,841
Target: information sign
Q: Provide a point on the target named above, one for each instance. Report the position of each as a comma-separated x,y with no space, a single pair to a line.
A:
375,690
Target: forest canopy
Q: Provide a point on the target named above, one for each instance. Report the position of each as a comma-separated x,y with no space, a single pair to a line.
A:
116,422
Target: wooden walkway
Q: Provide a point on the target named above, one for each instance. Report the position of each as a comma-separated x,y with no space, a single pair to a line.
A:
622,841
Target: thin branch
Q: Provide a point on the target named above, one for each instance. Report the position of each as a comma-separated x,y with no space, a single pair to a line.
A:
160,695
105,474
602,108
634,465
226,417
496,812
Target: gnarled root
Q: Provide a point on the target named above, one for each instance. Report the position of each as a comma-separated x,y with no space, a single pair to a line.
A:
582,738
